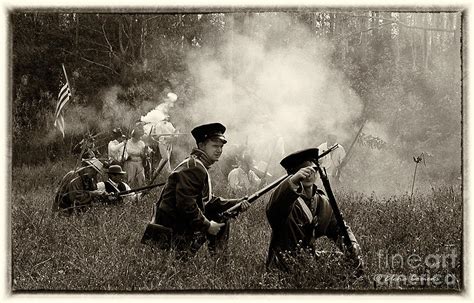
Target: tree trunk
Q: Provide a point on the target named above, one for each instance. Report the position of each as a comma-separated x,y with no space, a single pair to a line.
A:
120,37
396,40
413,44
77,37
332,24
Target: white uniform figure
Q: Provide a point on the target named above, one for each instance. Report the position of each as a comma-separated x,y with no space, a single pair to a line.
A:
115,147
332,161
158,123
242,180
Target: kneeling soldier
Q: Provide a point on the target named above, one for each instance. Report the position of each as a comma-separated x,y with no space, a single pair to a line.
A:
181,218
78,189
299,212
114,184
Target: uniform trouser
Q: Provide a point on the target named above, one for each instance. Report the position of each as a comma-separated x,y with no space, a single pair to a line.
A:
165,152
135,173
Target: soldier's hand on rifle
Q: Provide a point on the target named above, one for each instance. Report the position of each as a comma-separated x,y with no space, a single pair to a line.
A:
111,196
97,192
244,204
302,174
215,227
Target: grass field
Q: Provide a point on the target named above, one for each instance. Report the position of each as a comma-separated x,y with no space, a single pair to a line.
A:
406,245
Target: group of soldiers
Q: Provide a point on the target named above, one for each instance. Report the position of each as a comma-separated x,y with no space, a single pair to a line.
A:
187,214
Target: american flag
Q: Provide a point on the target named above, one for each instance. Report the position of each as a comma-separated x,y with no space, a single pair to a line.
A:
63,98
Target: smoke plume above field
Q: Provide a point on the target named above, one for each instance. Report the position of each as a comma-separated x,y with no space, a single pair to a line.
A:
263,89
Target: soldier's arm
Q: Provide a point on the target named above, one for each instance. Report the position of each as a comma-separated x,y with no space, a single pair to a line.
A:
115,147
77,195
281,201
189,186
218,205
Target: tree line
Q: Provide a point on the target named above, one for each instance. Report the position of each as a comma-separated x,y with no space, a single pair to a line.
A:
405,66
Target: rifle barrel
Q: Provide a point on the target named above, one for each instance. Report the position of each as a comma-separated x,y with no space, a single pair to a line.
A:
272,185
170,134
335,207
133,190
328,151
258,194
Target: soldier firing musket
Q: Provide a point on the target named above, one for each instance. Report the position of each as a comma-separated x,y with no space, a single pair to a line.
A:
162,130
299,213
104,196
115,189
233,211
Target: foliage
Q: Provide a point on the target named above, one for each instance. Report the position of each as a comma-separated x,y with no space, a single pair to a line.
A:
407,76
100,251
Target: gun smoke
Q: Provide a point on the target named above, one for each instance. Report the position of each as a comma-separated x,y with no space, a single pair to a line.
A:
265,92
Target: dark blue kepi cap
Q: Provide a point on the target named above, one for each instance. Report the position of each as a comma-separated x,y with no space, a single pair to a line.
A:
209,131
295,160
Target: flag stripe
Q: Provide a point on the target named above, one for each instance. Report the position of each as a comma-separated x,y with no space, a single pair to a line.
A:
59,124
63,97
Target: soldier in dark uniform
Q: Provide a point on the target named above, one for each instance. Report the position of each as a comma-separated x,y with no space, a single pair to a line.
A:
114,184
186,204
81,190
299,212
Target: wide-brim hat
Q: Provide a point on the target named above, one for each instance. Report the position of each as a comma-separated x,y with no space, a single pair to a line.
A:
115,170
295,160
209,131
94,163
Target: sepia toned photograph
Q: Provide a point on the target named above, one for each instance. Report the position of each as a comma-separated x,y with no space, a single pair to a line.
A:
298,150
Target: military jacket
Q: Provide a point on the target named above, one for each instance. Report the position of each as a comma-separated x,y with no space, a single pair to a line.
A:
187,198
290,223
76,192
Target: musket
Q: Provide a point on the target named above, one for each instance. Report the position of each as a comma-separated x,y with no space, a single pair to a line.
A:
138,189
156,173
262,181
118,194
170,134
340,220
334,206
122,160
234,210
349,152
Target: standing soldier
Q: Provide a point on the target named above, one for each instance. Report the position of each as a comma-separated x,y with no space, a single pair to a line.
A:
137,153
299,213
115,147
332,161
242,180
186,203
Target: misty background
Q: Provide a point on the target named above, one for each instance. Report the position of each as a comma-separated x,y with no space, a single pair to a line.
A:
290,77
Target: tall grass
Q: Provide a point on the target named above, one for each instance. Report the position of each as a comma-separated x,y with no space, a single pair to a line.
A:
100,250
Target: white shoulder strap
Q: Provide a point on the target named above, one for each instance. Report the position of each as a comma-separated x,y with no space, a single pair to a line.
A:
209,197
306,209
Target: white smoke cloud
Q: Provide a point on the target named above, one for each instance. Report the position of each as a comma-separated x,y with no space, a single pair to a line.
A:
262,92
